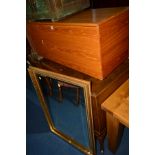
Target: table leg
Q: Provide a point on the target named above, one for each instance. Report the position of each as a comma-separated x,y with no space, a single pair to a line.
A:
114,132
49,84
101,142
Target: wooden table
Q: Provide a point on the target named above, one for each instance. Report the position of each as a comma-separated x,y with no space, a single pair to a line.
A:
100,89
117,114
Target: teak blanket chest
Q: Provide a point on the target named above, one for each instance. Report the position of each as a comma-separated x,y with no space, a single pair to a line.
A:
93,42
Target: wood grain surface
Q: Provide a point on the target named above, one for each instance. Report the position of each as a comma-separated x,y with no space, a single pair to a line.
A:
118,104
114,41
93,42
75,47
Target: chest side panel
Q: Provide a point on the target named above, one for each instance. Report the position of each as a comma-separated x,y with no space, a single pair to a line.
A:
114,38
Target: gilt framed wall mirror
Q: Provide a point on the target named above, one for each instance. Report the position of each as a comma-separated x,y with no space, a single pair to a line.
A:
66,103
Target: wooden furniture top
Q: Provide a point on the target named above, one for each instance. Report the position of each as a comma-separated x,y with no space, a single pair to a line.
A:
118,103
101,88
89,16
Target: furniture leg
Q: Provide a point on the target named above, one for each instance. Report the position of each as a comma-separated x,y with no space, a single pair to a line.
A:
114,132
60,93
78,96
101,142
48,82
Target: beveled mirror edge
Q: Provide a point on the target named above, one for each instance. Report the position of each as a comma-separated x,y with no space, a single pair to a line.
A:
33,71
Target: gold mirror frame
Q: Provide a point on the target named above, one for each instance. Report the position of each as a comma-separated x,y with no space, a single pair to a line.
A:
33,72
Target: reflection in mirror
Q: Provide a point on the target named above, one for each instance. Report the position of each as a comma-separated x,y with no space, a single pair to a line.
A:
66,105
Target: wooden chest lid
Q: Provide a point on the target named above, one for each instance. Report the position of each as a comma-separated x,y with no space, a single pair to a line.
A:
89,16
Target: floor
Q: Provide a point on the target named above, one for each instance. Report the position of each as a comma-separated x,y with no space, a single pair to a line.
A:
39,139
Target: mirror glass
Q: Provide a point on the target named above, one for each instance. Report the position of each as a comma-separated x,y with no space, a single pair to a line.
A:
67,108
